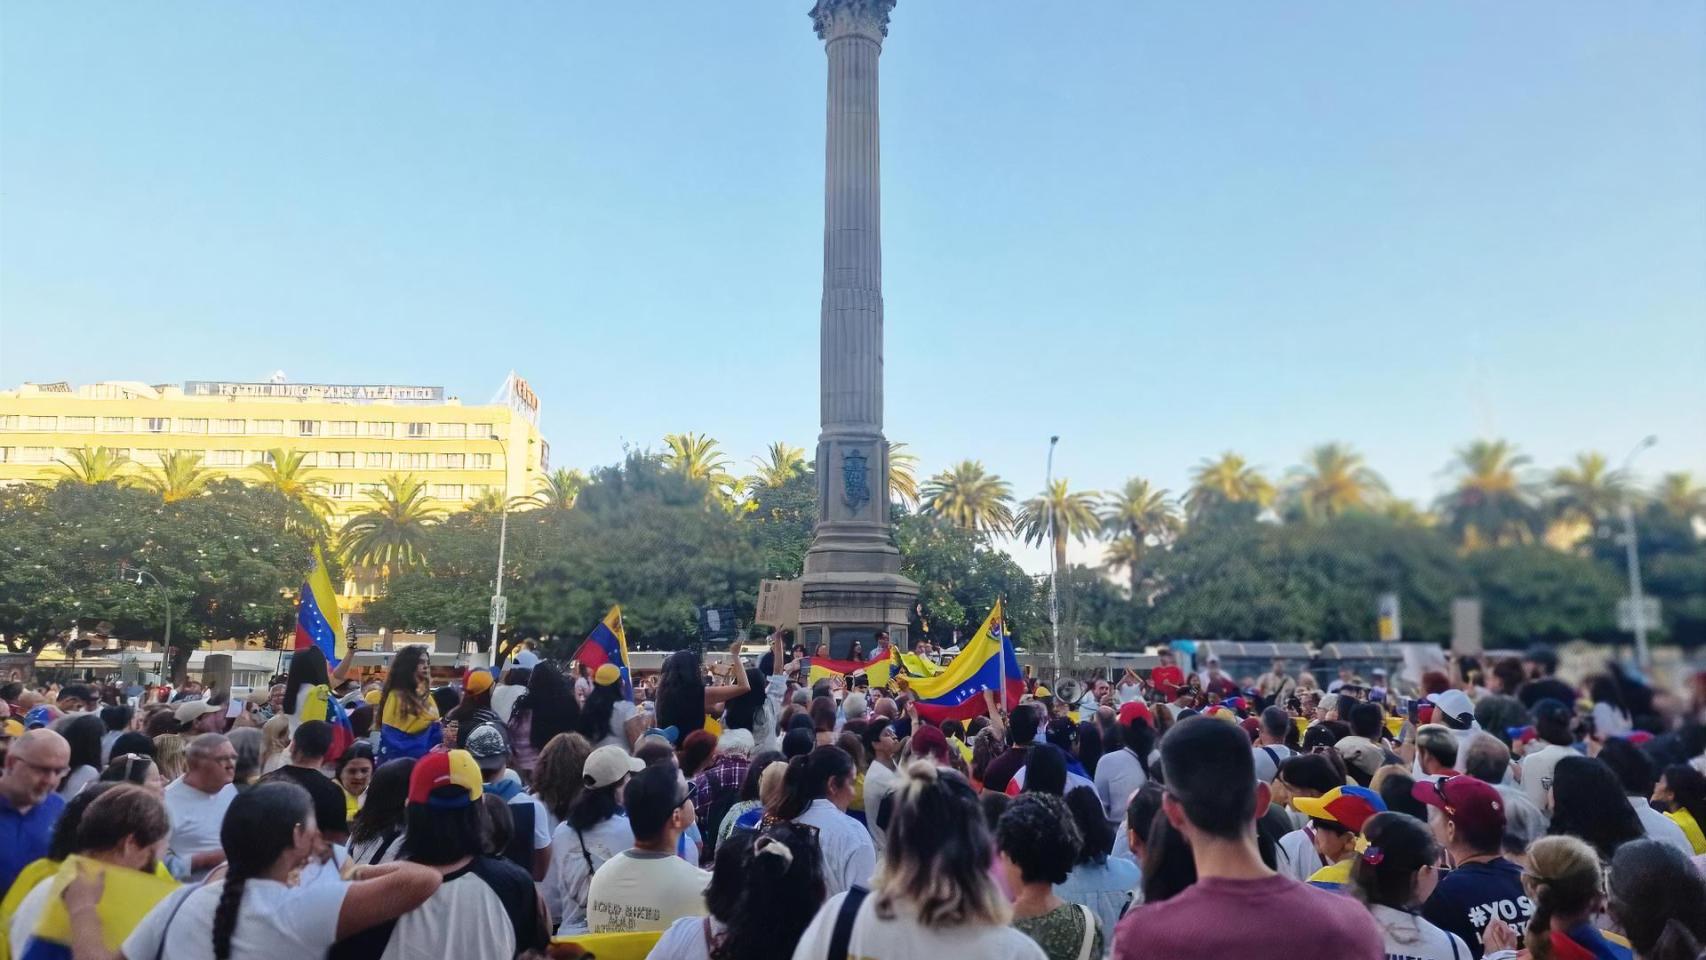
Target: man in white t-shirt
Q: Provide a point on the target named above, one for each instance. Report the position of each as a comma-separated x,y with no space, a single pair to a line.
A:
880,778
1270,750
649,887
196,803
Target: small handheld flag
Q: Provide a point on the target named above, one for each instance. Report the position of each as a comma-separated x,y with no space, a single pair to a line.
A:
318,622
608,643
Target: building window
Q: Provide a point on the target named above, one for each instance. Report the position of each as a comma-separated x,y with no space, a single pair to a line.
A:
41,423
271,428
420,431
310,459
483,431
341,428
305,428
35,455
452,431
9,421
225,458
192,424
79,424
257,456
122,452
5,454
150,458
118,424
342,491
366,488
375,428
451,461
412,461
344,460
229,425
376,461
475,491
482,461
156,424
447,491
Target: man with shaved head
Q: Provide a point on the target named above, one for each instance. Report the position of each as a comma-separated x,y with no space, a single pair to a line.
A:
29,807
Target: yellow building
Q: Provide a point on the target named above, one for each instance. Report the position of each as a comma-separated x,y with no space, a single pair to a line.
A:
354,435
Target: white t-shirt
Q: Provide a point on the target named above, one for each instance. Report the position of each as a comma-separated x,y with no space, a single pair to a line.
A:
903,938
1266,768
879,782
275,922
1298,858
1537,766
77,779
569,862
1660,827
1118,776
1409,937
620,713
685,940
27,916
196,818
849,857
639,891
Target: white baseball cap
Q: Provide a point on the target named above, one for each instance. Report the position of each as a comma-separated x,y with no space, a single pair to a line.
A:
606,765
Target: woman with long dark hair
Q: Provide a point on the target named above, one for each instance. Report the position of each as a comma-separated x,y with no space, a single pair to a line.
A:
84,735
764,890
545,710
307,671
1098,881
609,718
818,788
376,832
595,830
1394,875
408,716
683,698
253,913
1681,794
1588,803
934,895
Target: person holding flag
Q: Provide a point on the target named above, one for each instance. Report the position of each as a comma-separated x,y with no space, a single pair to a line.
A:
987,665
408,716
608,644
319,642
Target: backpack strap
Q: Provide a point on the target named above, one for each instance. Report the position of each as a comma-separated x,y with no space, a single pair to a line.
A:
166,928
1089,932
842,936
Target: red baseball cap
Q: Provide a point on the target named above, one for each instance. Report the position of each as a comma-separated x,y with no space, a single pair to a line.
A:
1468,802
929,741
1136,708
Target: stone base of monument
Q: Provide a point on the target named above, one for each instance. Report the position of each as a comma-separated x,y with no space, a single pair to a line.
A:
842,608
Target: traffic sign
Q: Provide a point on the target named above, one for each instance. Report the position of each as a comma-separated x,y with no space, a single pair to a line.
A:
500,608
1649,614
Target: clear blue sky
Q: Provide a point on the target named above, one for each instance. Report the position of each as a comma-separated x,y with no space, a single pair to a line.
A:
1161,230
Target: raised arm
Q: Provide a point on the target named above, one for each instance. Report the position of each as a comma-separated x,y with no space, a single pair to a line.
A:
392,890
728,691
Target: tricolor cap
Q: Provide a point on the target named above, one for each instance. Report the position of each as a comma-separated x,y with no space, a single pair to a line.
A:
477,682
1233,703
607,674
1134,709
448,779
1348,806
1467,802
39,716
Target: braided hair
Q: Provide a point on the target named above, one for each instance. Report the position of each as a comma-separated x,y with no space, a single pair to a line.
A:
259,828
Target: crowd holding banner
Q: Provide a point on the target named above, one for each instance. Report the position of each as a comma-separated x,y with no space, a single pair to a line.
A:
888,805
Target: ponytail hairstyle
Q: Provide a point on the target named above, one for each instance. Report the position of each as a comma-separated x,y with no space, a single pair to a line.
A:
307,668
935,866
400,682
1399,847
1564,878
808,779
260,827
1656,897
765,888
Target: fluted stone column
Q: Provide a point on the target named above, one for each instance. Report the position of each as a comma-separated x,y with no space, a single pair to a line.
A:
852,578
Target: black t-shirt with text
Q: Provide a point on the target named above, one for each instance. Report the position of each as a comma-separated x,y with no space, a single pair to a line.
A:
1471,897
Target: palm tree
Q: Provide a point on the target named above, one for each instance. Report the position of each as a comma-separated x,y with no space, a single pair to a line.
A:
89,467
389,534
1681,496
285,473
971,499
180,476
1229,479
697,457
557,490
1587,492
903,474
784,462
1074,513
1492,502
1137,516
491,503
1332,480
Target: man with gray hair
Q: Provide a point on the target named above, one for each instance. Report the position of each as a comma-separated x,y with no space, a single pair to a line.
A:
854,707
196,803
1488,760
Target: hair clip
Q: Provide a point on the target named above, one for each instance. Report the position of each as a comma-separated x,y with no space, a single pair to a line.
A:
1373,855
770,846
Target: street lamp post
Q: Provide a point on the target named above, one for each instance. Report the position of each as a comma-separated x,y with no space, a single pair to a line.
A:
499,607
1054,539
1637,616
141,577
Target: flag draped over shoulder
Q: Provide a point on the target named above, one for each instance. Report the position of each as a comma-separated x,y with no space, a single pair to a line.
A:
318,622
956,693
608,643
126,897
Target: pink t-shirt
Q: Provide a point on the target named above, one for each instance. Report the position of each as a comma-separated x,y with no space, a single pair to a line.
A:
1276,916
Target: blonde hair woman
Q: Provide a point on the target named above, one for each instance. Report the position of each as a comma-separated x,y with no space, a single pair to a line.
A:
169,756
275,743
933,894
1567,884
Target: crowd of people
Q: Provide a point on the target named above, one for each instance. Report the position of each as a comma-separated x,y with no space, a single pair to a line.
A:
727,809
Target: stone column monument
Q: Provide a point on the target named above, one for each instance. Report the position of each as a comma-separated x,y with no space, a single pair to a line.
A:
852,585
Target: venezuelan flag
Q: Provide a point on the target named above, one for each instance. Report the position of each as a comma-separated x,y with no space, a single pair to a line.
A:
318,623
126,897
957,692
608,643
